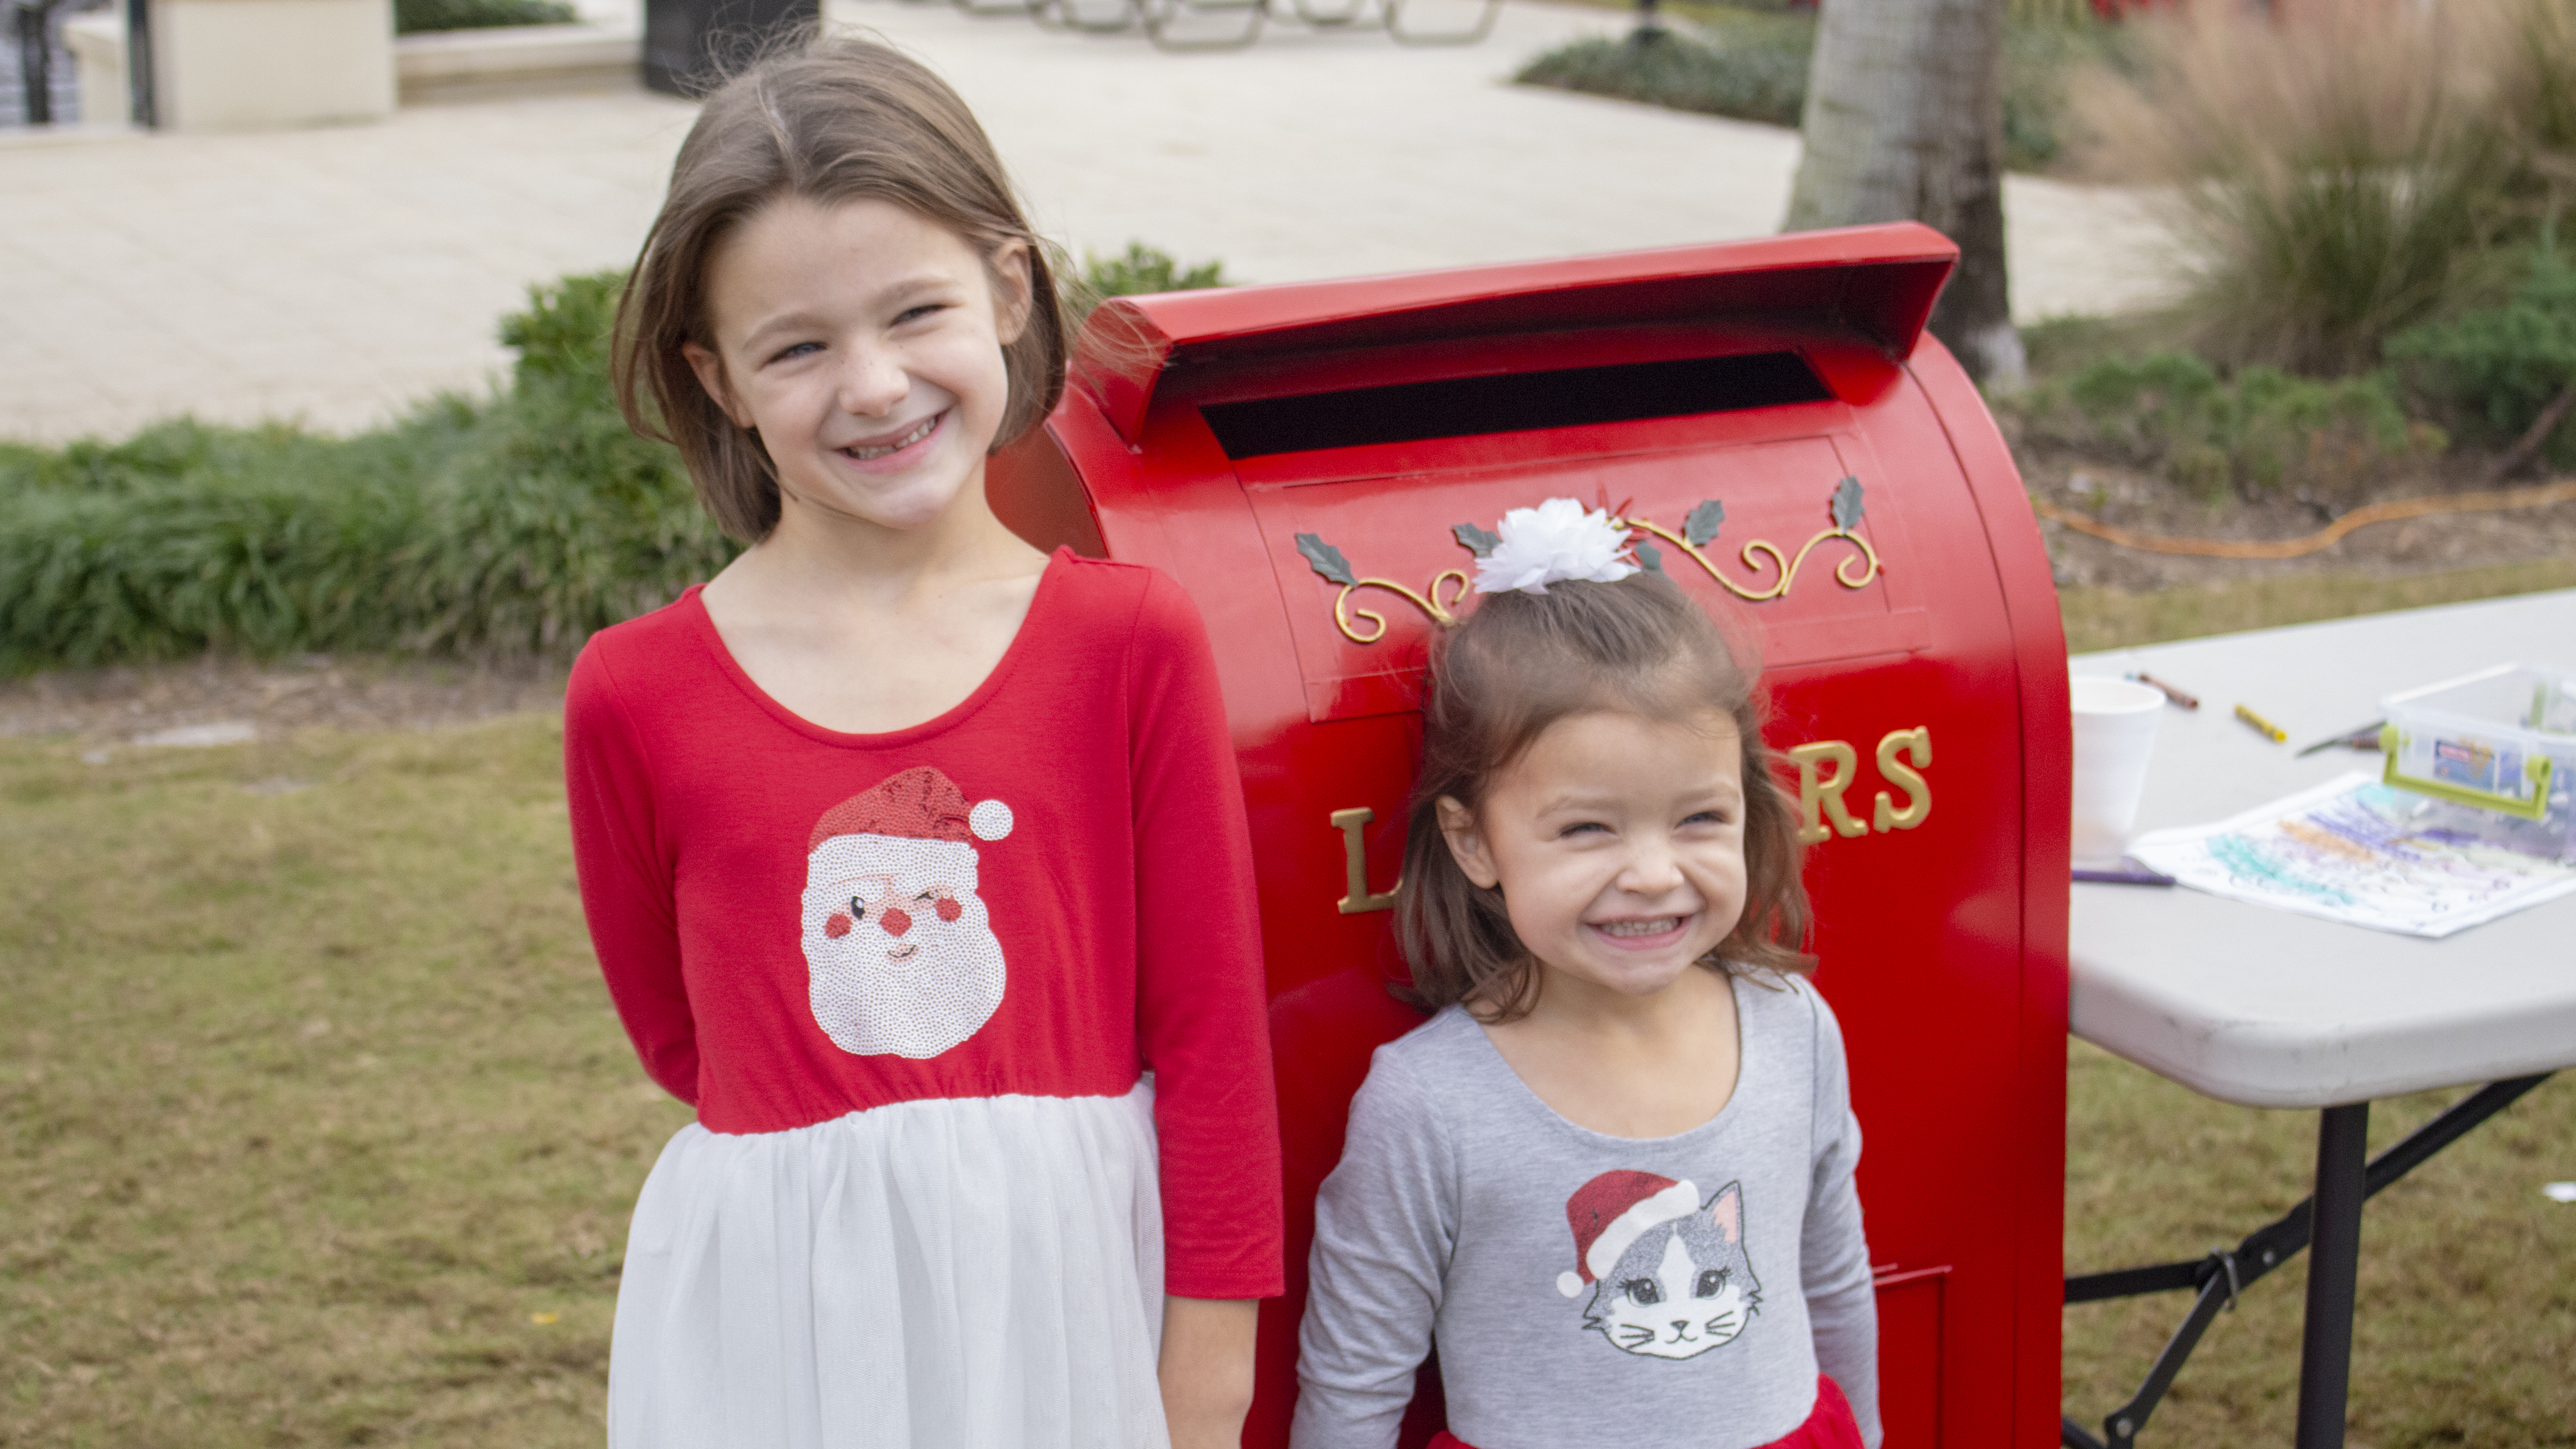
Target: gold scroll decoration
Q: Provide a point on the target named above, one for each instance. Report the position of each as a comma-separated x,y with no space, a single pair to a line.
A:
1700,527
1763,558
1328,561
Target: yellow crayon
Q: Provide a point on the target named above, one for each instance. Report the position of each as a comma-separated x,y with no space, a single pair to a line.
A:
2268,729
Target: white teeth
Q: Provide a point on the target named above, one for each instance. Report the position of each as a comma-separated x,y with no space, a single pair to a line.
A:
906,441
1655,927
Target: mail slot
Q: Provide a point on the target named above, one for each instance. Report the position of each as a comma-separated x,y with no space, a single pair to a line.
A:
1313,462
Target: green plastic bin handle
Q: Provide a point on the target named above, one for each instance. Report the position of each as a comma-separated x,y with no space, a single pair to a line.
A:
2534,765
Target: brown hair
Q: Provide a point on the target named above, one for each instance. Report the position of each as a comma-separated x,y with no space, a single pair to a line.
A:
830,120
1522,662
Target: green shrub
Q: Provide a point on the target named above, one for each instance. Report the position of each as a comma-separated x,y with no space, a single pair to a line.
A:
2262,431
510,527
1138,271
1753,66
555,520
413,16
2489,372
1753,73
514,526
2043,57
2060,345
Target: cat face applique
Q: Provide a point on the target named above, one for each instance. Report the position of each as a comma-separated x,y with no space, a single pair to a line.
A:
1668,1273
900,954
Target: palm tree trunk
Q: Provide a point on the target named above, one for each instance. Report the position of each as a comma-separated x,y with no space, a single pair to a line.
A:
1905,121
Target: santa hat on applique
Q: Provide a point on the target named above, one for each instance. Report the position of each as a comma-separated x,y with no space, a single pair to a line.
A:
1611,1212
918,804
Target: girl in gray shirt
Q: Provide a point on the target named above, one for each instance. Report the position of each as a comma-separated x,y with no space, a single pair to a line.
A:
1611,1180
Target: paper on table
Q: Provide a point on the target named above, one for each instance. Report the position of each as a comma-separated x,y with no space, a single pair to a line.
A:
2349,851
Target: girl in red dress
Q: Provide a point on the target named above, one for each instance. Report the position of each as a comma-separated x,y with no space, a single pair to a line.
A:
915,859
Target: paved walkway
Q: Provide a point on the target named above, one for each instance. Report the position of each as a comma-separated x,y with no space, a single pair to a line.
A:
339,275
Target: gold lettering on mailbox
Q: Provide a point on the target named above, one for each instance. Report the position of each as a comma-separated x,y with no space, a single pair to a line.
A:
1918,806
1355,865
1820,795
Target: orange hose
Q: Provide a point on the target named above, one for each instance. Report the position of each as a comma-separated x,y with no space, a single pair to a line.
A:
2323,538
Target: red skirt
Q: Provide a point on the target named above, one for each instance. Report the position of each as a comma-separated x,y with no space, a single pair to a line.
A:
1830,1426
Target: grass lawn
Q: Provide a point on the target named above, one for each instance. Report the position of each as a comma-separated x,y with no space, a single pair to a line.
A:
2103,618
317,1130
311,1104
2467,1322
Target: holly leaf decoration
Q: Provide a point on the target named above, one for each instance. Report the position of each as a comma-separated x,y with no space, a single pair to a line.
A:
1327,559
1477,540
1703,522
1847,504
1649,555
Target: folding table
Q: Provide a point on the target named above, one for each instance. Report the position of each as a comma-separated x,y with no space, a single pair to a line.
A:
2269,1009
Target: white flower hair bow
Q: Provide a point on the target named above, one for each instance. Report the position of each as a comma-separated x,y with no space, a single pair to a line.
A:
1556,541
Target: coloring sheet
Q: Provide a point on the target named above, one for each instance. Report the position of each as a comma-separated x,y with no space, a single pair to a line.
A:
2351,850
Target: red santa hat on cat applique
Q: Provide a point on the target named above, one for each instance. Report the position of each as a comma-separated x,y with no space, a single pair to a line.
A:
1614,1210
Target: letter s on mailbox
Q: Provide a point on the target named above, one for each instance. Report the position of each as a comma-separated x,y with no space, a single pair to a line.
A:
1317,464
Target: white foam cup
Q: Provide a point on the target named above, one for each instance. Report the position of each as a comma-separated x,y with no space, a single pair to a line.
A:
2115,733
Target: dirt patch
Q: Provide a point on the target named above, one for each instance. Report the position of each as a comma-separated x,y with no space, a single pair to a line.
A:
216,700
2147,502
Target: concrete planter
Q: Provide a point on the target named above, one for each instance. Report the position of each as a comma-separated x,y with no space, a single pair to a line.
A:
257,64
97,44
516,60
248,65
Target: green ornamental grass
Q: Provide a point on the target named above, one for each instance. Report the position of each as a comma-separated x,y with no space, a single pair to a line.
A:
2346,169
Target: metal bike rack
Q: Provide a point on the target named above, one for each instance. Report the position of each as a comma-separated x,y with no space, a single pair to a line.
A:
1067,15
1483,27
1158,16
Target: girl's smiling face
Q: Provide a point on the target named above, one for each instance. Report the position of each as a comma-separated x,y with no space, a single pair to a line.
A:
1618,844
863,342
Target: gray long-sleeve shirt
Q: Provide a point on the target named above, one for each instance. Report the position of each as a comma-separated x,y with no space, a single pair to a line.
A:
1582,1287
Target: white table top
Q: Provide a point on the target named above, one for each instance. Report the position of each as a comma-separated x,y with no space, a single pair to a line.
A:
2271,1009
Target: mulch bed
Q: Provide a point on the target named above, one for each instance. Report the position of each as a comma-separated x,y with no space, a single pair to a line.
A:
2147,502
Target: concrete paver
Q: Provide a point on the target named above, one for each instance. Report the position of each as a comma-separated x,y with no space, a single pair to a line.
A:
338,276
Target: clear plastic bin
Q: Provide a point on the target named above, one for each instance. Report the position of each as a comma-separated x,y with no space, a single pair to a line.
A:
2498,746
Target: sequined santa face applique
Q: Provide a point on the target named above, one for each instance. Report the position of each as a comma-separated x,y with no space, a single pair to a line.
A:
900,953
1668,1274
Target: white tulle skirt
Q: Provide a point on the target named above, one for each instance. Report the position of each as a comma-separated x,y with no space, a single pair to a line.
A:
984,1274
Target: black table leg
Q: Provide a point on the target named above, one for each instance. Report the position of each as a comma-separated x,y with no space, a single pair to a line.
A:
2334,1259
2217,1278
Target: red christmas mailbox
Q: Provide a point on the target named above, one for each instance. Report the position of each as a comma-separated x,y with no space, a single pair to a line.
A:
1774,415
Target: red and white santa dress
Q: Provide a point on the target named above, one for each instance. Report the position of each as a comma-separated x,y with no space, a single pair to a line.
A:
971,1015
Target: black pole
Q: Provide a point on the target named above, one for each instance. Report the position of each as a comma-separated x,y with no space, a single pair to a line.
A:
2334,1260
35,59
138,63
691,45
